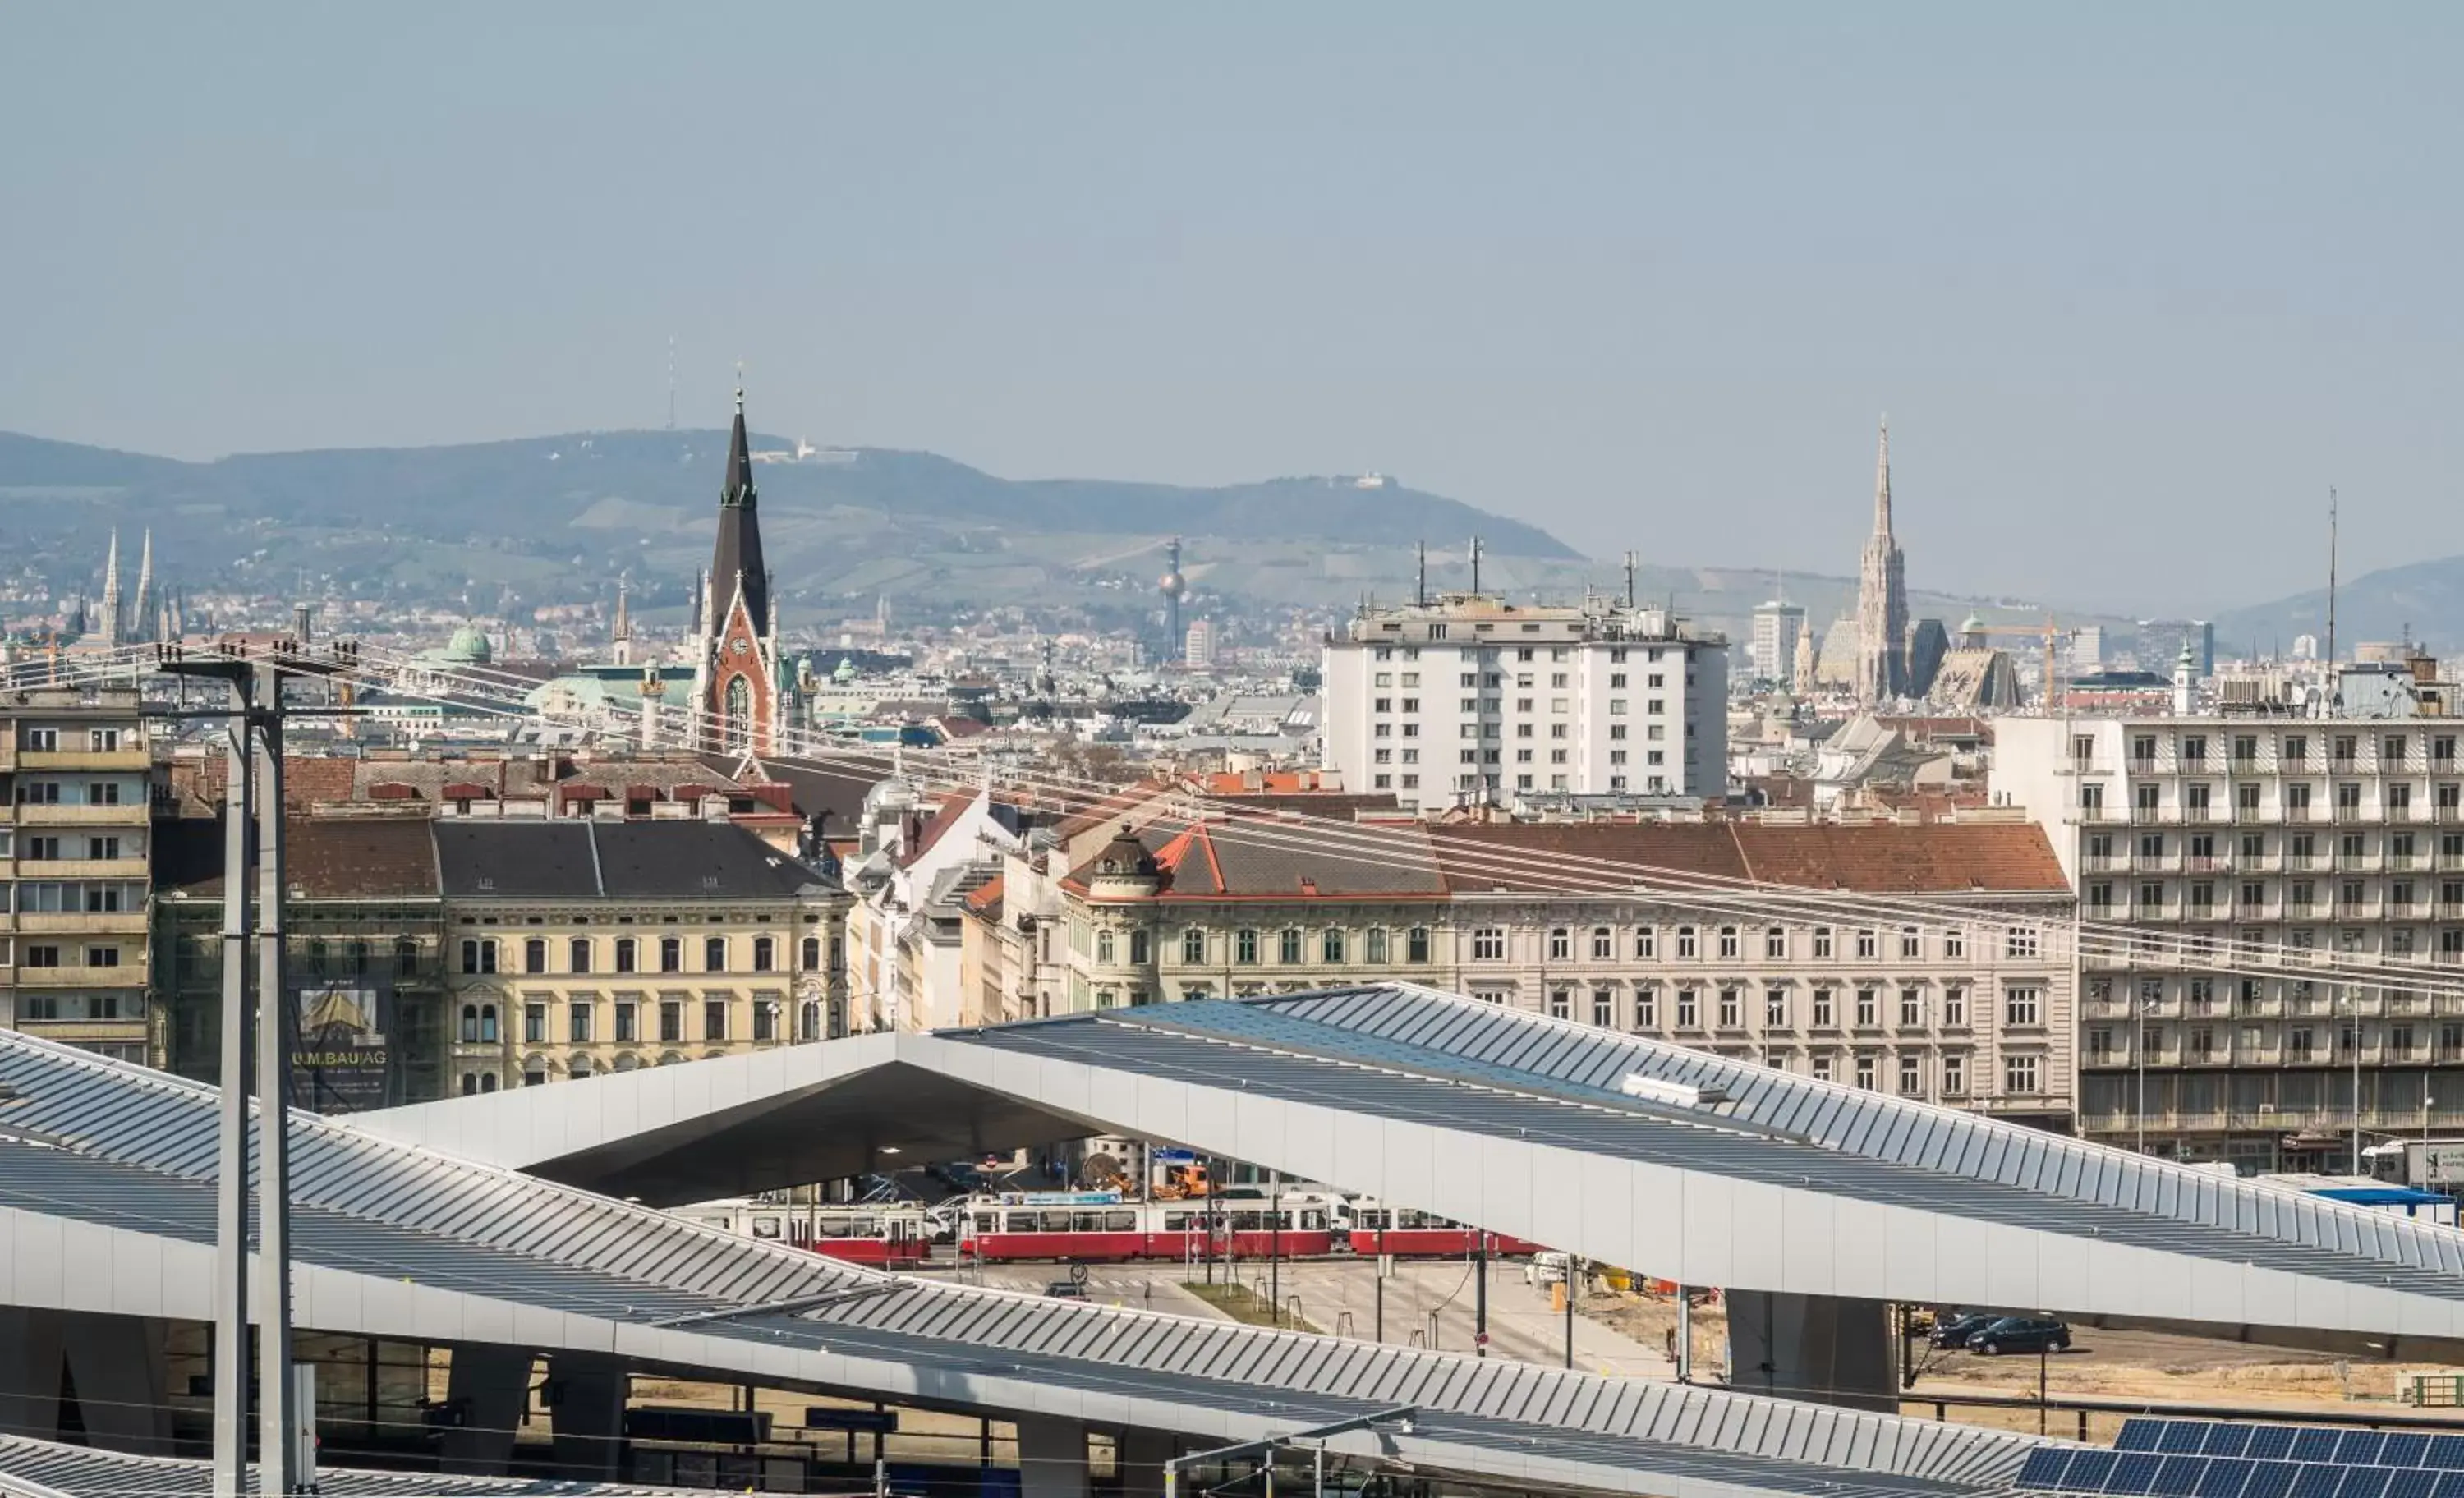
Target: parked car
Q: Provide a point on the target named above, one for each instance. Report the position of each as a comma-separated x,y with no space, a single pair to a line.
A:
2020,1334
1065,1289
1953,1332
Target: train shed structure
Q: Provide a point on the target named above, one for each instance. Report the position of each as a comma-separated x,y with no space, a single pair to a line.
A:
1813,1204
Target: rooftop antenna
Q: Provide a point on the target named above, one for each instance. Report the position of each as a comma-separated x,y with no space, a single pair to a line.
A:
2331,583
1420,574
672,381
1629,579
1475,565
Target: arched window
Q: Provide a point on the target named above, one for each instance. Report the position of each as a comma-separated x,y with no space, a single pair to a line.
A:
487,1082
671,954
739,713
624,950
535,954
714,953
470,1023
765,954
812,958
581,1067
469,1084
808,1027
578,954
1138,948
1329,944
1288,944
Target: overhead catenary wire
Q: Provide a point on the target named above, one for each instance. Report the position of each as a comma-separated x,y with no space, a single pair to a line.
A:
503,694
2119,943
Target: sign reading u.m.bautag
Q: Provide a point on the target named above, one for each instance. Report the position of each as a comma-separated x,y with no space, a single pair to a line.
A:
340,1060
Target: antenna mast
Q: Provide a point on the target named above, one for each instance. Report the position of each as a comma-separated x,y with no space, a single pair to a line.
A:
1629,579
1420,574
2331,586
1475,565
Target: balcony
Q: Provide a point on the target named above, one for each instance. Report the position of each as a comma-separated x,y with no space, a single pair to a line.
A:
2352,812
2198,813
76,975
2148,815
2243,764
2301,812
139,759
2155,862
80,922
82,868
50,814
2358,863
2143,764
2210,863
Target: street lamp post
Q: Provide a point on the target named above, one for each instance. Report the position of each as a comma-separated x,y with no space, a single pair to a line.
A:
2139,1059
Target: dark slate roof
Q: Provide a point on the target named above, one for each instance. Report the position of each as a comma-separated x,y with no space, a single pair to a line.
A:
1233,860
323,859
584,859
739,553
517,860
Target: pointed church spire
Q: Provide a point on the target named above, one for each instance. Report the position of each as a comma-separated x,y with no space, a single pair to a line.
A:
111,610
736,563
141,610
1882,481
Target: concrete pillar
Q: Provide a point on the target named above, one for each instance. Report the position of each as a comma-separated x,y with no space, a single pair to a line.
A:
486,1390
118,1366
586,1408
1143,1454
1051,1457
1822,1349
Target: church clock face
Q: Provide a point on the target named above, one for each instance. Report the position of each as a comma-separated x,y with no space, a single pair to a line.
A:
739,646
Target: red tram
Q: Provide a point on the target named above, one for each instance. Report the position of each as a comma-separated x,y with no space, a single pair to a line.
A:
1099,1227
894,1235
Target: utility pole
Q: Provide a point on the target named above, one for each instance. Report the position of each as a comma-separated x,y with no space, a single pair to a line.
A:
1571,1270
1479,1297
276,1446
230,1178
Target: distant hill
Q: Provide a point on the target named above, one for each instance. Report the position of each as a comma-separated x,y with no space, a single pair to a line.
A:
2422,599
554,519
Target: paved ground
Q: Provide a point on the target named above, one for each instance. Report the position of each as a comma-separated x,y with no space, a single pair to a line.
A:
1426,1305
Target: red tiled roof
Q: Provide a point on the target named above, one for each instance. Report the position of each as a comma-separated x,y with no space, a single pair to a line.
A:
392,790
1937,858
985,897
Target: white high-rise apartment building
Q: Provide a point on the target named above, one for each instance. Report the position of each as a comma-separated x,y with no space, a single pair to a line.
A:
1473,700
2271,837
1773,650
1198,646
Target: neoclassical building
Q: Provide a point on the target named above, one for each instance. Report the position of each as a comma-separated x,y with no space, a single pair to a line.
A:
1968,1001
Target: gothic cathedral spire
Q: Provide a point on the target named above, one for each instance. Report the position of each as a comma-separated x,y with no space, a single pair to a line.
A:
1882,596
737,675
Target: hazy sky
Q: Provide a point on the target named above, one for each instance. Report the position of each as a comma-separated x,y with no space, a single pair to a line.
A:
2135,283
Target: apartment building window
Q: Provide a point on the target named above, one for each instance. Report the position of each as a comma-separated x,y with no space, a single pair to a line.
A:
1732,1008
2100,1044
2019,942
2451,1042
1911,942
1646,943
672,1020
1822,1068
671,954
2297,801
1193,945
42,740
1646,1008
578,1022
1329,944
1688,1011
1603,943
1823,1017
2021,1075
2399,1043
578,954
45,955
1775,1008
534,1024
1604,1007
40,849
1561,943
1865,1073
1869,945
1561,1004
1775,944
1245,947
1685,947
2142,752
1287,945
1488,945
627,953
2091,799
1821,943
1954,942
1911,1007
2349,798
713,1019
1869,1007
1728,944
1954,1076
2194,750
2023,1005
765,1017
479,955
535,954
1911,1077
626,1024
1415,945
2099,898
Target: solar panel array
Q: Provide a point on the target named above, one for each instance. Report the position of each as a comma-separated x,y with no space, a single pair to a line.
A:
2214,1458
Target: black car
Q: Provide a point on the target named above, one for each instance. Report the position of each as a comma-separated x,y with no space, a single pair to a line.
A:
1065,1289
1953,1332
2019,1335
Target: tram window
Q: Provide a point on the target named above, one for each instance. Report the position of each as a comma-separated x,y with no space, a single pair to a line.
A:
988,1221
765,1228
1176,1222
1022,1221
1314,1222
1053,1222
1120,1222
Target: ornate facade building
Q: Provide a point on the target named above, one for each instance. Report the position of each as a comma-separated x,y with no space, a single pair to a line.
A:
1882,597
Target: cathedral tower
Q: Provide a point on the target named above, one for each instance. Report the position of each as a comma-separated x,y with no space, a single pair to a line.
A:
1882,597
740,687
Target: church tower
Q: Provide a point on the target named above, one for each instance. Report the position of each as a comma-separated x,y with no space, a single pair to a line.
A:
738,686
112,609
1882,597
